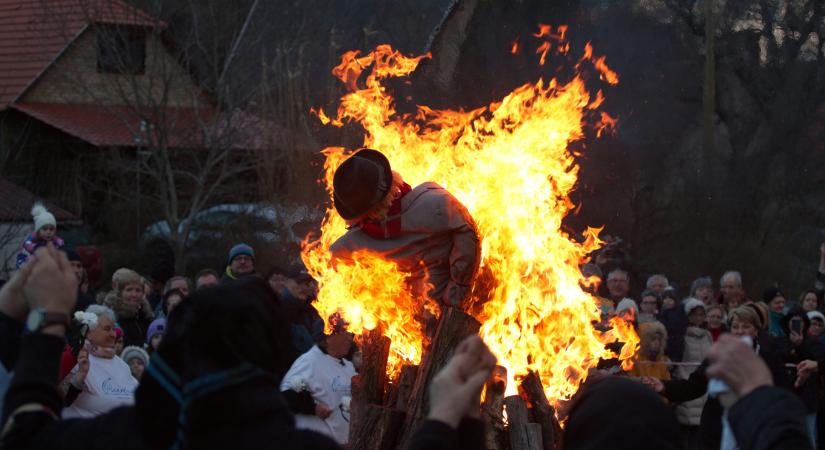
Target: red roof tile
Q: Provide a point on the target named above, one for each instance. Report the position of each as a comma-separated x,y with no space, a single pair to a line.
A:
120,126
16,204
33,33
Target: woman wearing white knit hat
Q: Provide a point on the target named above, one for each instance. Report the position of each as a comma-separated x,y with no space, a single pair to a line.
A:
45,231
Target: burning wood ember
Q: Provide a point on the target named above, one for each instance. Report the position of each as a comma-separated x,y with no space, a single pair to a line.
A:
511,165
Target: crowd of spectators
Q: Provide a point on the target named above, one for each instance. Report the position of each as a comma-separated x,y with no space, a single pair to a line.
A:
234,359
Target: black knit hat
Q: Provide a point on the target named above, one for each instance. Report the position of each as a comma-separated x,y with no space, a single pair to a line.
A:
771,293
361,182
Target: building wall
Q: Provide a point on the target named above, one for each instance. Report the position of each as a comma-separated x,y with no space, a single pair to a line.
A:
74,78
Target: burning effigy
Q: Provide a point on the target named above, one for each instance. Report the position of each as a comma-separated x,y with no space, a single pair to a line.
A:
510,165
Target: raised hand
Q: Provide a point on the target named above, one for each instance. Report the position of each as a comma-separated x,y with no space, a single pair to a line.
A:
455,390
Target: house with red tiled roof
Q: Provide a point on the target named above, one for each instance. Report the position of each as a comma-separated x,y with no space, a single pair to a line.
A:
81,76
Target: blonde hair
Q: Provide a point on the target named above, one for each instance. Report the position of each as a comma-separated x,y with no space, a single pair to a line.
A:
746,314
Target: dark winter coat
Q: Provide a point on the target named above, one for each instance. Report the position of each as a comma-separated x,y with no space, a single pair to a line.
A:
307,326
710,424
620,414
769,418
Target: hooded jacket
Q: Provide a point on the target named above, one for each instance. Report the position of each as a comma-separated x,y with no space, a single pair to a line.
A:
620,414
437,244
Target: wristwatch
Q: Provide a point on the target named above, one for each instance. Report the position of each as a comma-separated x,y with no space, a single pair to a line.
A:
39,318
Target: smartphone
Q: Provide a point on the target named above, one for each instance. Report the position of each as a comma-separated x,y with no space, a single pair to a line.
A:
796,325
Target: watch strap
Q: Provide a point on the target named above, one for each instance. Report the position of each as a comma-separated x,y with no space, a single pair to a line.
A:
54,318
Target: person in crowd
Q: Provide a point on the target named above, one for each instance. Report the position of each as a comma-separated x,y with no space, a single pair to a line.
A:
698,341
119,341
154,336
245,410
297,294
744,321
669,299
619,414
761,416
84,299
618,285
171,299
241,263
716,321
764,312
731,291
675,320
137,359
45,232
817,327
776,304
206,278
628,309
649,306
101,379
592,277
317,387
426,230
277,278
657,283
650,361
809,300
797,346
160,274
133,310
702,288
178,282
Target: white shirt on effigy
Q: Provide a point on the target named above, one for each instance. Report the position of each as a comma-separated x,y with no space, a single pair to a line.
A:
109,384
329,380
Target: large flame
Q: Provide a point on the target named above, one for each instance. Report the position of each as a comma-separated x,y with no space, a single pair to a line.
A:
509,164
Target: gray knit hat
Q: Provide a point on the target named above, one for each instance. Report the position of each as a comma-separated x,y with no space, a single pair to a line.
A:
132,352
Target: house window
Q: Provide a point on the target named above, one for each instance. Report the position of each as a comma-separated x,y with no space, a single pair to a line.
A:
121,50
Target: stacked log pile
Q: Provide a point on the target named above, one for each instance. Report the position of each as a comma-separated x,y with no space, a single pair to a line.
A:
384,414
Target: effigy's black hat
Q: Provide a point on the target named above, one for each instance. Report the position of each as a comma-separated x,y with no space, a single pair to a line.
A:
361,182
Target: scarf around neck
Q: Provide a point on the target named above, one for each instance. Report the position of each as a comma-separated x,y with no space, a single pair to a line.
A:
390,226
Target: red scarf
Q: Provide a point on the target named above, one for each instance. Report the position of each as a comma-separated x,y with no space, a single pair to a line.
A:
390,227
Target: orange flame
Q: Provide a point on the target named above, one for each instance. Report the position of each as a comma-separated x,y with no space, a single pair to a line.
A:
509,164
515,47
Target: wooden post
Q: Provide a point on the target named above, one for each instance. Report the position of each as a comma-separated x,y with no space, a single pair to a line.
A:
453,326
378,429
405,383
492,408
368,386
543,411
517,420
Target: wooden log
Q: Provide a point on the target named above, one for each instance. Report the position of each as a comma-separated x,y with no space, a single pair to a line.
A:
403,388
543,412
375,348
517,420
453,326
369,385
492,410
534,440
378,429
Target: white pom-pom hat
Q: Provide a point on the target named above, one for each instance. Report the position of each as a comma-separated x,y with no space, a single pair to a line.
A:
42,217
